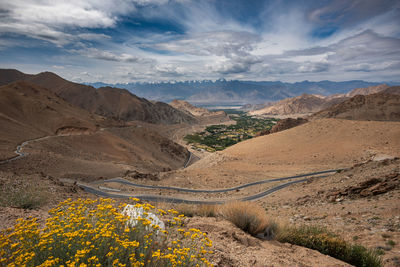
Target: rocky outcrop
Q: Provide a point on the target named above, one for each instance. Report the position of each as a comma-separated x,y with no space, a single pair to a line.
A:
377,107
371,187
305,103
188,108
284,125
296,105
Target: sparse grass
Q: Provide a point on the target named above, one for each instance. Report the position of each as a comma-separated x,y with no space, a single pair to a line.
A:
391,243
328,243
197,210
253,219
248,216
22,195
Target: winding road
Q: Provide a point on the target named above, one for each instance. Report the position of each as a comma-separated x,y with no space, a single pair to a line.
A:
19,152
158,198
189,159
91,188
123,181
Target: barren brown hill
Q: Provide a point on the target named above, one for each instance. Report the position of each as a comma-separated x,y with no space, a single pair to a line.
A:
193,110
379,107
313,103
313,146
73,134
107,101
10,75
284,124
106,153
367,90
395,90
29,111
298,105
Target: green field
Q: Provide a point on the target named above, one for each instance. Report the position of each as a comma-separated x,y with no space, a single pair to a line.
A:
218,137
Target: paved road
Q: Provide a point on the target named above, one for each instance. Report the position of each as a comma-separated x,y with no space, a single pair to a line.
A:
123,181
189,159
158,198
19,152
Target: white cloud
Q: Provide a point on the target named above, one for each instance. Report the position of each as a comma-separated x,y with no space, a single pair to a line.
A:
105,55
53,20
218,43
210,43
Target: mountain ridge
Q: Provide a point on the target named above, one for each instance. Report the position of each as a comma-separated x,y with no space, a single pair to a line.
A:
106,101
236,91
309,103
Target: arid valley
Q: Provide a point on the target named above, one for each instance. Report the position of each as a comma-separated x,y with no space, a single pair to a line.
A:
351,164
191,133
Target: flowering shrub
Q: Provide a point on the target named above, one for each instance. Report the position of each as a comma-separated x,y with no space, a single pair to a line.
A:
88,232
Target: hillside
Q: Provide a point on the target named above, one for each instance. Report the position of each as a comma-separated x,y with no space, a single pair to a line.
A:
305,103
297,105
379,107
107,101
29,111
395,90
316,145
367,90
71,147
190,109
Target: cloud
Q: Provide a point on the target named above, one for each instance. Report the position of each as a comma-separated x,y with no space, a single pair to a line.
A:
169,70
106,55
234,65
367,46
218,43
313,67
154,40
343,12
60,22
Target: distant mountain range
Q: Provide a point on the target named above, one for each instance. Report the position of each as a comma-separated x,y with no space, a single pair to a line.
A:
235,92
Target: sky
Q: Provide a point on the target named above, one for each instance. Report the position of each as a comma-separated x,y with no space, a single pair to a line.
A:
121,41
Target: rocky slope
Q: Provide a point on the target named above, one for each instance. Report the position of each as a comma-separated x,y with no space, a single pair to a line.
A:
306,103
296,105
28,111
192,110
284,124
395,90
367,90
379,107
107,101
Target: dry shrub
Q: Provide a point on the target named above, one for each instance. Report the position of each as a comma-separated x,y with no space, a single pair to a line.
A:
25,195
248,216
326,242
203,210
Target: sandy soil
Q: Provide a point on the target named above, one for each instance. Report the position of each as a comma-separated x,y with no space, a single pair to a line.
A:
79,156
314,146
233,247
370,220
